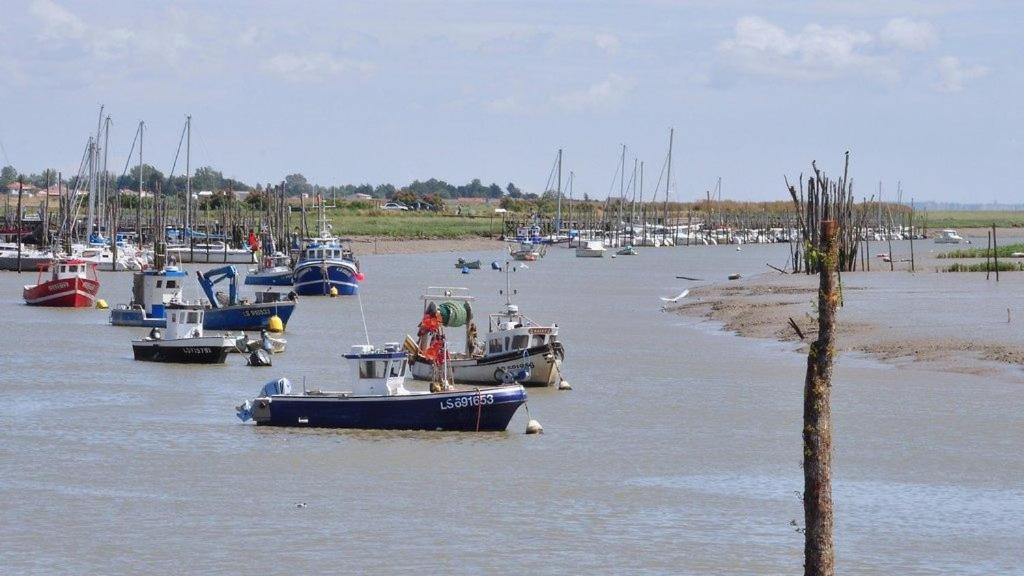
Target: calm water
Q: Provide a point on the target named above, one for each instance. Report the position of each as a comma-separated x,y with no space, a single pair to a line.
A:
677,452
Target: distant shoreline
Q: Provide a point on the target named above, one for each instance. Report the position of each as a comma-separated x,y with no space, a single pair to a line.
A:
366,245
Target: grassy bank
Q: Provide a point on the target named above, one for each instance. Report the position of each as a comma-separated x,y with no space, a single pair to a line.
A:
984,267
411,225
1002,252
970,219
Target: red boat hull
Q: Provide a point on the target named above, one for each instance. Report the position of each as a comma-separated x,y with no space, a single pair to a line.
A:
66,293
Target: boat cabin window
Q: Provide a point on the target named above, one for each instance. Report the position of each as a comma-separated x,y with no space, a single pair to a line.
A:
371,369
172,284
193,317
520,342
506,343
397,368
63,269
495,346
174,317
159,283
538,340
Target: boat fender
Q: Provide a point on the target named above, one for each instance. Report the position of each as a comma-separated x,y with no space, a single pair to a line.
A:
333,292
564,385
508,378
101,304
274,324
293,296
534,427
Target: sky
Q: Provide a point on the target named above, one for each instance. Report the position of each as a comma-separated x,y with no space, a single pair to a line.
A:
926,93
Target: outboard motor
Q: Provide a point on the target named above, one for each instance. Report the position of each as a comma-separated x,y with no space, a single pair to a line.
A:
259,357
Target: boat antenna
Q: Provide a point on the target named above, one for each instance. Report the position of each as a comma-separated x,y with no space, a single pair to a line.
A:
508,284
363,315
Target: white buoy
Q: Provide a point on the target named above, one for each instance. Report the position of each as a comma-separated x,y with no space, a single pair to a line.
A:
534,427
739,249
564,385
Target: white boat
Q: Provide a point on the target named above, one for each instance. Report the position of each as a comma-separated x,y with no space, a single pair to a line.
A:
185,342
515,348
948,237
592,249
211,253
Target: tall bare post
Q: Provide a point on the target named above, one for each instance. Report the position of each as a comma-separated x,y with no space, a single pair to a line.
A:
995,251
819,555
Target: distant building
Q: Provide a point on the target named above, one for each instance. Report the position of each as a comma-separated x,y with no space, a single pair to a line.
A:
27,189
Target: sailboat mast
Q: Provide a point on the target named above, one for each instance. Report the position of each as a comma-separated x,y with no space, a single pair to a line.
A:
668,173
558,218
92,190
622,184
104,192
138,204
188,173
571,175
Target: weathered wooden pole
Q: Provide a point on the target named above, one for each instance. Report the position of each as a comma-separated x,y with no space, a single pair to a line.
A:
995,251
819,554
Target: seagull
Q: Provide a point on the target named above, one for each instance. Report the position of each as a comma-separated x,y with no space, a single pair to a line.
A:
524,266
677,298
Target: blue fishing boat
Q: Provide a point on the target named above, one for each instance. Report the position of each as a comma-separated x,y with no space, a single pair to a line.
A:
274,270
229,312
324,265
378,400
152,292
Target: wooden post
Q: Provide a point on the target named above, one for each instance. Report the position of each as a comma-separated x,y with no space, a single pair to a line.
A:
988,255
819,554
995,251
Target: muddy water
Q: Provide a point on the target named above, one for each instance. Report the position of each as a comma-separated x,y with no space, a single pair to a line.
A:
677,452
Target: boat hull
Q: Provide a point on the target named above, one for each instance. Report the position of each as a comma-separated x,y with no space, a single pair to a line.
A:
65,293
543,362
247,316
185,256
465,411
253,317
204,350
281,278
28,263
316,278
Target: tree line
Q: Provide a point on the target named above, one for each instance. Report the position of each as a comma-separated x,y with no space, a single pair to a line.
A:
209,178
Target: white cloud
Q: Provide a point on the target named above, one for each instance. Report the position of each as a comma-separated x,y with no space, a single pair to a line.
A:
312,67
953,74
815,52
604,95
56,22
608,42
909,35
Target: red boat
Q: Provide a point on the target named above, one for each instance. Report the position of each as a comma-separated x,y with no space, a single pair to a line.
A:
72,284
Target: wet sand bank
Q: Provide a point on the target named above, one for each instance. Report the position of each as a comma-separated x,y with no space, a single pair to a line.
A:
949,322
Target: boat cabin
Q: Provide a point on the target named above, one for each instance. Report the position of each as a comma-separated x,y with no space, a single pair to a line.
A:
184,323
68,269
378,372
511,331
153,290
326,252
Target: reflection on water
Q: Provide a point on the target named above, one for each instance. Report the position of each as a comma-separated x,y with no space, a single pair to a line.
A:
678,450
